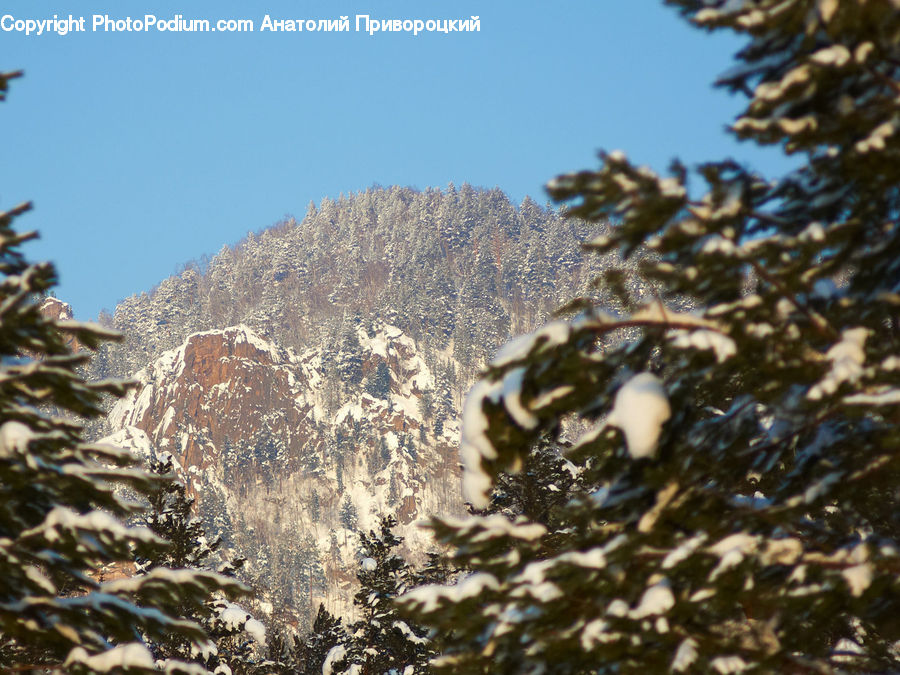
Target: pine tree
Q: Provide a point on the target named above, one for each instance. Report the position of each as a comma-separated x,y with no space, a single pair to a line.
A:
349,352
309,654
61,513
348,516
379,385
233,633
382,641
540,491
746,453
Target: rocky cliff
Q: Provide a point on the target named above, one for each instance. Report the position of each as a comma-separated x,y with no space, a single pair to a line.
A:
285,475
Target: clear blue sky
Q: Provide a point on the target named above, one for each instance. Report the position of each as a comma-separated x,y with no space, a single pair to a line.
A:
142,151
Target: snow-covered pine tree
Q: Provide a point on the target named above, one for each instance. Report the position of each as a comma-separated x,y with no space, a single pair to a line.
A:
747,517
379,383
235,636
307,656
381,641
539,491
61,517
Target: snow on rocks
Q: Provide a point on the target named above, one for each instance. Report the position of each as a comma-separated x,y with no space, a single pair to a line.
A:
640,409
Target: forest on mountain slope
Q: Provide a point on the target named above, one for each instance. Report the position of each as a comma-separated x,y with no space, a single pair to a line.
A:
459,270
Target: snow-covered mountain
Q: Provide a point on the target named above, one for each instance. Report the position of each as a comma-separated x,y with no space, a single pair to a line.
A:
309,378
285,476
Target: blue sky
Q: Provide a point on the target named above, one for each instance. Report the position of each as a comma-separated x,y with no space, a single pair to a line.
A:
141,151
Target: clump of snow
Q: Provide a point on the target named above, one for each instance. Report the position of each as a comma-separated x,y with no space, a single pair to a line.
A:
549,397
731,551
38,577
858,577
719,244
532,580
404,628
670,187
61,518
884,396
684,551
640,409
845,649
594,633
772,91
827,9
429,597
255,629
782,551
728,664
685,655
656,312
722,345
368,565
475,444
482,528
512,399
847,358
656,600
204,649
335,655
553,333
876,140
130,655
14,437
235,618
835,55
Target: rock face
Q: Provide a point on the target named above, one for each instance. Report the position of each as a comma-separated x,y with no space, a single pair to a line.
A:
57,310
284,465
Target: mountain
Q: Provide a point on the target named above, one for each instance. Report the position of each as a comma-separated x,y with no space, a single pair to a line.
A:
309,379
286,482
459,269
